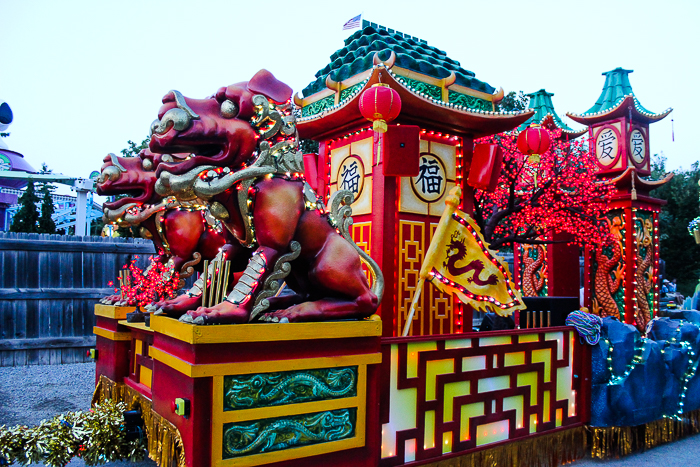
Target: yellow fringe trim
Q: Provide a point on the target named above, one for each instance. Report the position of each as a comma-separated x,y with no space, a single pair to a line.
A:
165,445
549,450
618,441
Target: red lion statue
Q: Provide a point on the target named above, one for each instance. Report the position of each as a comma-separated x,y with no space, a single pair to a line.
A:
185,232
244,163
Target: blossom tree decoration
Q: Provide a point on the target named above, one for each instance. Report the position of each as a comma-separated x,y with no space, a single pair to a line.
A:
533,201
157,282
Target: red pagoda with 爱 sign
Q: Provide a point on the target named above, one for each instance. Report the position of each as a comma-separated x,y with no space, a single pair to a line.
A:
400,178
621,277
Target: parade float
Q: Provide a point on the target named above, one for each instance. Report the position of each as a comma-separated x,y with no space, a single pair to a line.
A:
330,322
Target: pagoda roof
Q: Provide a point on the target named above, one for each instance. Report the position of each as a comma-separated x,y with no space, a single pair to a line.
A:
616,100
545,115
417,108
629,181
412,54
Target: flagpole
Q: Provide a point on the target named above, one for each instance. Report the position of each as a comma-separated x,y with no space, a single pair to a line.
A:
414,303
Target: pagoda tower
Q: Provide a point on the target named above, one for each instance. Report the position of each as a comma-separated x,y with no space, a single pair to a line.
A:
400,178
621,277
548,270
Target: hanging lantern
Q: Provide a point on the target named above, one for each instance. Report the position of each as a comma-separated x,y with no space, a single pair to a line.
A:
533,142
380,104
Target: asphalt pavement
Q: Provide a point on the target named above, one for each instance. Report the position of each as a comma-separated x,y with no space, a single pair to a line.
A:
30,394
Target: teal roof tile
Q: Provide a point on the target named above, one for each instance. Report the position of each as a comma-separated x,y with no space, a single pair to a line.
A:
541,103
617,86
411,53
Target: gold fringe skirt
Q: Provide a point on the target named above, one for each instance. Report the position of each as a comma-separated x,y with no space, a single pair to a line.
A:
548,450
165,445
617,441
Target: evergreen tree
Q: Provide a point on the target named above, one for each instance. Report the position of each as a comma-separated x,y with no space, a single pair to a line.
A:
46,224
26,218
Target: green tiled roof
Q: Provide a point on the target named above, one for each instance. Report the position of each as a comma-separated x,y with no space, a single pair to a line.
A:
541,103
617,86
411,53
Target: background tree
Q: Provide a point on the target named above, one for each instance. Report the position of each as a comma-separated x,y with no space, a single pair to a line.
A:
27,216
513,102
132,150
46,223
676,247
534,200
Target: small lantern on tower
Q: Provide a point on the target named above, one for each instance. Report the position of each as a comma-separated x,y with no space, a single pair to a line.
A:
380,104
533,142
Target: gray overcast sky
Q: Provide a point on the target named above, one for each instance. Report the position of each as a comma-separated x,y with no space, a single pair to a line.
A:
84,77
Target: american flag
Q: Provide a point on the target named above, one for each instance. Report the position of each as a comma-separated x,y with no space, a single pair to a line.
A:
353,23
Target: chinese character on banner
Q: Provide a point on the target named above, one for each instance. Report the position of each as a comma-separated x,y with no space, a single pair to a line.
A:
429,176
637,146
431,182
607,142
350,177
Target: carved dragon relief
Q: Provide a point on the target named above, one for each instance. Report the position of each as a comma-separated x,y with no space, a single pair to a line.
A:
643,273
609,273
534,270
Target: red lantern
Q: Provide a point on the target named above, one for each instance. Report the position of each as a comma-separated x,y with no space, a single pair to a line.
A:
380,104
533,142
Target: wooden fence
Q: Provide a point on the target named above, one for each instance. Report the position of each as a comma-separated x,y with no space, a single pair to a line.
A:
48,287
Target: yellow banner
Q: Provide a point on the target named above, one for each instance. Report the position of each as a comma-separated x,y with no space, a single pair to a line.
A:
459,262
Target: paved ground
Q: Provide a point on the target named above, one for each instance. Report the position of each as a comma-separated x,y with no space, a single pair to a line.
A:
30,394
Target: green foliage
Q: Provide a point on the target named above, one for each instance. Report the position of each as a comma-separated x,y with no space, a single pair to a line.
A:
96,436
46,224
309,146
26,218
677,248
133,150
513,102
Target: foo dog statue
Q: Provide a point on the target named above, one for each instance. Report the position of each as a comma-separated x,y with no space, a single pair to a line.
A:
185,233
242,162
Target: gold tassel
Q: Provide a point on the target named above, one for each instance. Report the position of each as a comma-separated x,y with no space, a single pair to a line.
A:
165,444
550,450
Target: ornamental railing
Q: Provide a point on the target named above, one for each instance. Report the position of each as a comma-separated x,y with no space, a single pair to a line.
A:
448,396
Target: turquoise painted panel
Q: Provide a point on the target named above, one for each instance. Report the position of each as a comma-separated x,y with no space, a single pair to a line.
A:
288,387
275,434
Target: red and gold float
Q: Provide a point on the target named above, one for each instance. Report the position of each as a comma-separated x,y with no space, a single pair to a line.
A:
235,371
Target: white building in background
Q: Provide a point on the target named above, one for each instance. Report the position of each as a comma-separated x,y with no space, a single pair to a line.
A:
65,206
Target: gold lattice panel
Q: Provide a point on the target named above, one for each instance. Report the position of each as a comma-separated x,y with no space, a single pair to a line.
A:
361,233
434,310
411,252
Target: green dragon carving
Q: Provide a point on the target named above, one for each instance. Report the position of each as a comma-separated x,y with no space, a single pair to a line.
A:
264,390
470,101
318,106
284,433
428,89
